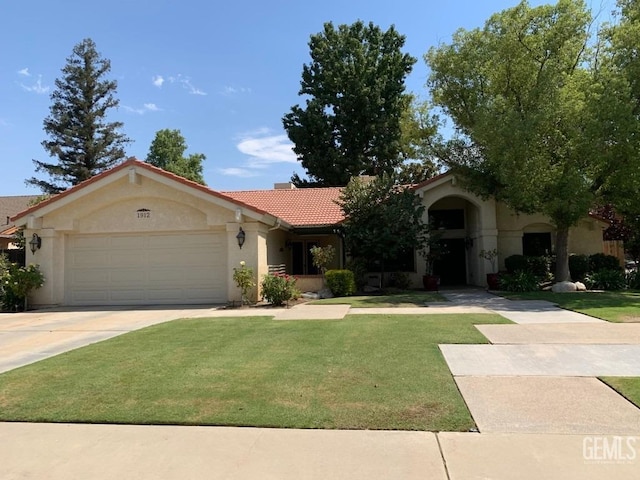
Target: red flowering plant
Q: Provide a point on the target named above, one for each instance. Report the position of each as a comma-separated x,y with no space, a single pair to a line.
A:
278,289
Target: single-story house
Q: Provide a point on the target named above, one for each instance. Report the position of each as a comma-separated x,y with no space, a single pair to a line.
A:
138,235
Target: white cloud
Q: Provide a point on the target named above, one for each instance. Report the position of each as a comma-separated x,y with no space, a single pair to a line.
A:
24,72
158,80
192,90
147,107
237,172
187,85
36,87
228,90
264,149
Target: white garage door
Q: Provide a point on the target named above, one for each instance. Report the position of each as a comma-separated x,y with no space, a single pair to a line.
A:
145,269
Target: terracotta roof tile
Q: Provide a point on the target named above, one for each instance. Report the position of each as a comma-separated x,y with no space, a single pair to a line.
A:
298,207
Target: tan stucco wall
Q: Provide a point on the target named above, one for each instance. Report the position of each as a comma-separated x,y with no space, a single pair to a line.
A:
490,225
584,238
112,208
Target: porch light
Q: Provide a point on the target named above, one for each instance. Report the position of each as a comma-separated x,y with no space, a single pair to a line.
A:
240,237
35,243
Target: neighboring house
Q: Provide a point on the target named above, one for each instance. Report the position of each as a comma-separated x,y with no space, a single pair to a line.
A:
10,206
137,235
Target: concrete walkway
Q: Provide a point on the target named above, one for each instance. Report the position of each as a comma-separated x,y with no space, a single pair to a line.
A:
537,376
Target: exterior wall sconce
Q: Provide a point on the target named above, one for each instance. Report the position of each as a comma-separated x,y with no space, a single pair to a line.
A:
241,237
35,243
468,242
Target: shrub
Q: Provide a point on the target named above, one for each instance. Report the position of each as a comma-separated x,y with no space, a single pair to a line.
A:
515,263
539,266
579,266
633,280
399,280
606,280
16,282
341,282
278,289
519,281
359,268
243,277
600,261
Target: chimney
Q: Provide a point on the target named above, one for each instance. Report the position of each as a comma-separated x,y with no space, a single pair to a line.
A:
284,186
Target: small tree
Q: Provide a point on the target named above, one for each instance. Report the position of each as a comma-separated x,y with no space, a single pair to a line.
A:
167,152
382,219
322,257
243,277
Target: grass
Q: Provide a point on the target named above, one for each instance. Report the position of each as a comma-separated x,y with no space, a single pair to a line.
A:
365,372
404,299
629,387
611,306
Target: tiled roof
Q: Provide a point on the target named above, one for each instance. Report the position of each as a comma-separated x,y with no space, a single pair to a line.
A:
297,207
129,163
302,207
9,206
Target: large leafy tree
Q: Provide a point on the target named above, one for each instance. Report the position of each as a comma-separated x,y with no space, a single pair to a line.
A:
80,137
382,218
350,124
525,94
418,127
167,152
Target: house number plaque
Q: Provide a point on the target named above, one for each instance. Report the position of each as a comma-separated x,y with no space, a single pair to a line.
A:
143,213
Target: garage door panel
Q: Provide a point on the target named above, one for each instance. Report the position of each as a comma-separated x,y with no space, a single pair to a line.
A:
145,269
89,297
127,242
86,259
121,295
125,276
83,277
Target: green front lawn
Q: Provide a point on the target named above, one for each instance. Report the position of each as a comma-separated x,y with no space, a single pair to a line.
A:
365,372
403,299
629,387
611,306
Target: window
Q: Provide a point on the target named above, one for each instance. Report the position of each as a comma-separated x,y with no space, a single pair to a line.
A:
536,244
302,260
447,219
405,261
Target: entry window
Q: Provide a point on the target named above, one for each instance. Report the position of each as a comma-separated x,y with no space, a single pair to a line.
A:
447,219
536,244
405,261
302,260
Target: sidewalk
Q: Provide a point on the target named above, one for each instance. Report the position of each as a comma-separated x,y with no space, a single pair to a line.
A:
109,452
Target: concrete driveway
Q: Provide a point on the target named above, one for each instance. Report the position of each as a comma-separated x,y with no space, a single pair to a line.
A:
31,336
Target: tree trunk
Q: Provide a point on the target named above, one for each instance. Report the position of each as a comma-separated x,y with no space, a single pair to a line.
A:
562,255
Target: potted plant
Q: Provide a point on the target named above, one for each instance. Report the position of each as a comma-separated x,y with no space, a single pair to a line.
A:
493,280
434,251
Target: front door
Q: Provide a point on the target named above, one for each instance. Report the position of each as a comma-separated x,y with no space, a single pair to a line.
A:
452,267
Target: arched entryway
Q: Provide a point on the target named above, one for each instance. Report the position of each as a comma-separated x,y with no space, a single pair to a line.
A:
458,223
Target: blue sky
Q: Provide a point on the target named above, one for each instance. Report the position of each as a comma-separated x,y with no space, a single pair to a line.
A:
224,73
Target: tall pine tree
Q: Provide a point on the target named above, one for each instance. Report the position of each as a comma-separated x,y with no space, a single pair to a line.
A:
84,143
